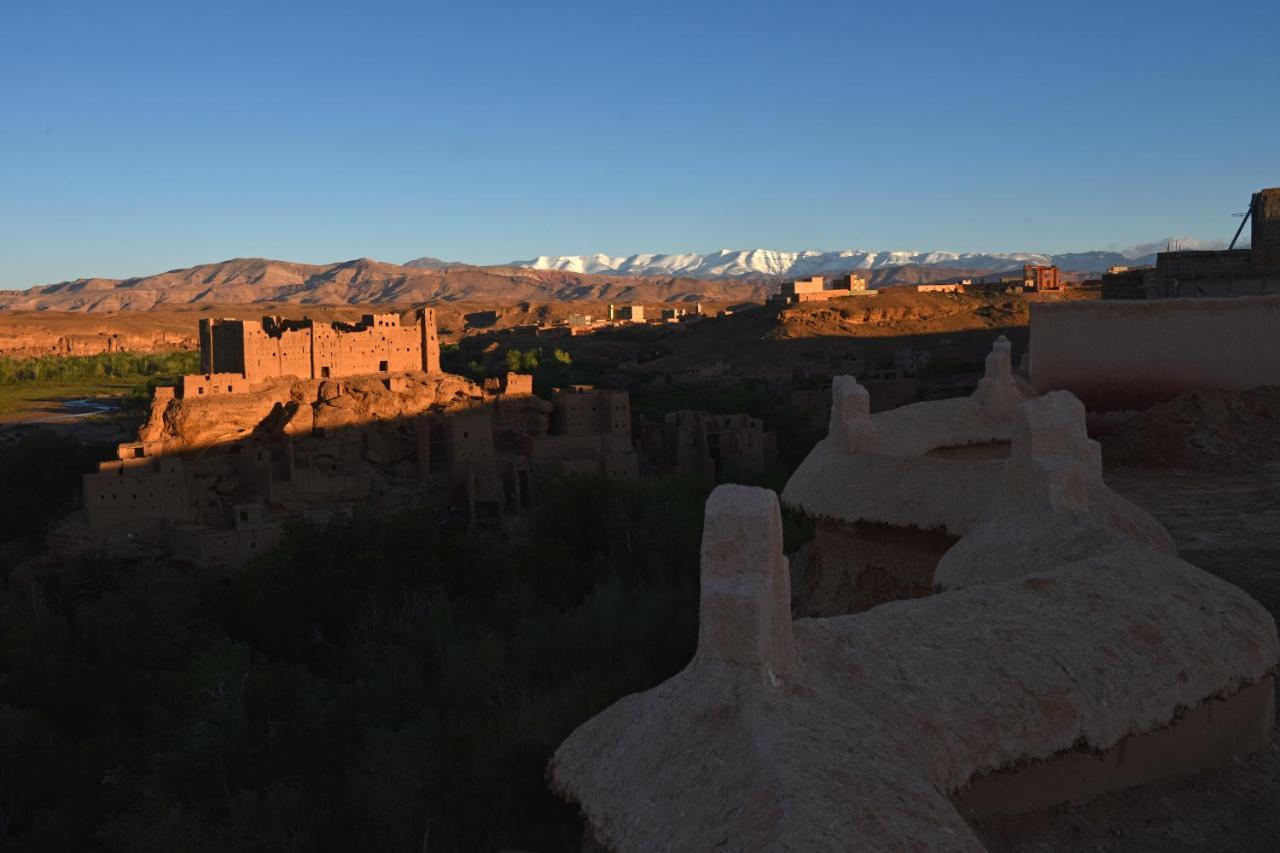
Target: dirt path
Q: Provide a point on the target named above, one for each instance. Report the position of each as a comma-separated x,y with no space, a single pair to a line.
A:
1228,524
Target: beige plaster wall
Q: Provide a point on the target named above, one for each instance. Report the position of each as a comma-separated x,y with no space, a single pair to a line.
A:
1119,354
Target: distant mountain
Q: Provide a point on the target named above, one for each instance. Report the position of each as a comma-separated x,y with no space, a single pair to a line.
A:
363,282
429,263
755,263
724,276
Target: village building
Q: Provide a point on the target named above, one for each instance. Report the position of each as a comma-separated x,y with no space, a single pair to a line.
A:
236,355
817,288
1037,278
704,443
932,287
1182,273
285,425
626,313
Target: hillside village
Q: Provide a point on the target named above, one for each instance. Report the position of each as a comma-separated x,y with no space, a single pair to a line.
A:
1010,585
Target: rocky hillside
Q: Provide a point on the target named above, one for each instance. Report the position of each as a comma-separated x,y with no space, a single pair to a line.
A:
298,407
362,281
366,282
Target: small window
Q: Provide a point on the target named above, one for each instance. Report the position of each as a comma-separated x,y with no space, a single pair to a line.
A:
244,516
200,390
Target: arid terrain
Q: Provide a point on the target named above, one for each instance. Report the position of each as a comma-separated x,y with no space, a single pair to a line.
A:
368,282
1207,464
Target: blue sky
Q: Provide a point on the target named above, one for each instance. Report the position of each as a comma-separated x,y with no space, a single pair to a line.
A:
142,136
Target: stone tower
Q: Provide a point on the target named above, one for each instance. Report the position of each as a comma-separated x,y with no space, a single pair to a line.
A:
430,340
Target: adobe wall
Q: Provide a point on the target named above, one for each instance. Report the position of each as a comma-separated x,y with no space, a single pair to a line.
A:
587,411
1212,734
378,343
208,384
1130,354
134,495
518,384
219,547
470,442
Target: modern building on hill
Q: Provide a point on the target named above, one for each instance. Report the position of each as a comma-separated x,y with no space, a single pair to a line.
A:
1037,278
626,313
930,287
816,288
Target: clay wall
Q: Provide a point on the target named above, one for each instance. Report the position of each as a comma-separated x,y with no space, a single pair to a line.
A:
379,343
586,411
135,494
578,454
803,285
1131,354
849,282
219,547
470,442
430,337
207,385
518,384
222,345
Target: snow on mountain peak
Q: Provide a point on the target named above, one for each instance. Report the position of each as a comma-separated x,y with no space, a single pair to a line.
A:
755,263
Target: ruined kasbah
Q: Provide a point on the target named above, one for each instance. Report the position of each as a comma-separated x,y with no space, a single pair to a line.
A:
302,419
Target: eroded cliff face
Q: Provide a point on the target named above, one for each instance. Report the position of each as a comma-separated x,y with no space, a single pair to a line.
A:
298,407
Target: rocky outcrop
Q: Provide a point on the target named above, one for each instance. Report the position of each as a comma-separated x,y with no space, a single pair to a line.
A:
300,407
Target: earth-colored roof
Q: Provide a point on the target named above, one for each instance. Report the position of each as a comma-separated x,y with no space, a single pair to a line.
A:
852,733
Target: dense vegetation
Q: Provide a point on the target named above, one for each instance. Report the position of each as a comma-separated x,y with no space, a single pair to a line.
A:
130,375
89,368
374,684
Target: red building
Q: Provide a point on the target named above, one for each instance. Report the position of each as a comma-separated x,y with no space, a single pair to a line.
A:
1040,278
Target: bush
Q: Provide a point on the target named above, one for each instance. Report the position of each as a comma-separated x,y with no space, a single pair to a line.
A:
374,682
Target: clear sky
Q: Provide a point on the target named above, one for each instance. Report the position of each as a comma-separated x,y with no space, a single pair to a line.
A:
142,136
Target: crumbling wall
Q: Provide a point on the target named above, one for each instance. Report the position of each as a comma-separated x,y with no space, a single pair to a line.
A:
1131,354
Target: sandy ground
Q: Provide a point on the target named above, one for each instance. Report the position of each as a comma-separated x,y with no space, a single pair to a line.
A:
1229,524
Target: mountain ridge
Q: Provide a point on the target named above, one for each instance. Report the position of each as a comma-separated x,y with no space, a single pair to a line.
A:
744,263
724,276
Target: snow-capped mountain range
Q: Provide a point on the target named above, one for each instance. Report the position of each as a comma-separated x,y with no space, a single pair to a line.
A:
744,263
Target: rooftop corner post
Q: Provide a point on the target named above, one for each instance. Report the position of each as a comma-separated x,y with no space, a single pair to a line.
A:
1052,456
745,613
850,427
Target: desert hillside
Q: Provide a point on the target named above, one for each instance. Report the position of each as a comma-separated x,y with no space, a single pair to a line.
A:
361,281
368,282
